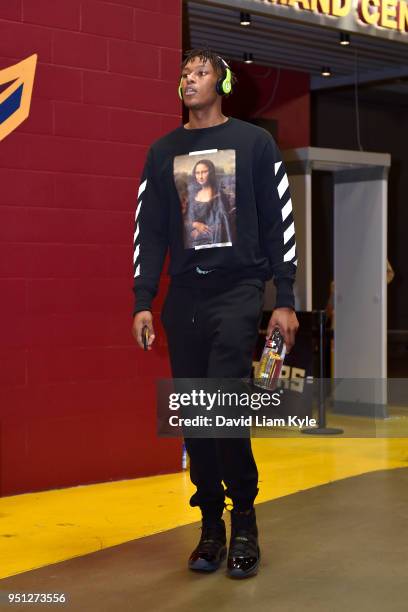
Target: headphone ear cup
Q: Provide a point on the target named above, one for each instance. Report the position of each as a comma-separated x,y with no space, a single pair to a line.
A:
226,84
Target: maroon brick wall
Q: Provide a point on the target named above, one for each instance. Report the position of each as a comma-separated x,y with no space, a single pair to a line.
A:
77,395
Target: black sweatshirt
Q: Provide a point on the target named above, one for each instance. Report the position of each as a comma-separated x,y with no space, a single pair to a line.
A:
218,198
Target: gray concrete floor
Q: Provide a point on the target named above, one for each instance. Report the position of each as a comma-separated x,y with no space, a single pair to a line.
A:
340,547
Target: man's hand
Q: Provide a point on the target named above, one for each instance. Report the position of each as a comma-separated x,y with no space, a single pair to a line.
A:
142,318
286,320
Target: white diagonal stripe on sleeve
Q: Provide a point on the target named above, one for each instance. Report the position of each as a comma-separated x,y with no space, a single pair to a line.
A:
277,166
283,185
135,235
136,253
142,188
287,209
138,209
290,254
288,233
137,271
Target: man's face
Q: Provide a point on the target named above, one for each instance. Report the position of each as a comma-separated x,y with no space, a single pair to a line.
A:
198,84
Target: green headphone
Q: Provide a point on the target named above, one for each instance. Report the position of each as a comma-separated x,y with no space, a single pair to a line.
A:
223,85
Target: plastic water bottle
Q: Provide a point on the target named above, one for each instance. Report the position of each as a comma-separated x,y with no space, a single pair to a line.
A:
271,362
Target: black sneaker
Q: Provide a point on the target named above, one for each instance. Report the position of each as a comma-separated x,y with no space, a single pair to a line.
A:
211,550
244,553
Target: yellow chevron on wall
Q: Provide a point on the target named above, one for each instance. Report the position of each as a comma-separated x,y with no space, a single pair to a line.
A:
15,100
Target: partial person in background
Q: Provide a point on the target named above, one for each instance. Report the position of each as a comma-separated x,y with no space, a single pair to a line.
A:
390,272
330,301
331,314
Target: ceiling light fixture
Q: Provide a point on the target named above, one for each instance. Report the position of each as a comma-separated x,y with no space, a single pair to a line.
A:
245,19
344,39
326,72
248,58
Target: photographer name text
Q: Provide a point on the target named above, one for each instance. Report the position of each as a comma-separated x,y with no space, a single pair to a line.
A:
241,421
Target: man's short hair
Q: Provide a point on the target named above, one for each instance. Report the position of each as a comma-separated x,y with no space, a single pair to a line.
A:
207,55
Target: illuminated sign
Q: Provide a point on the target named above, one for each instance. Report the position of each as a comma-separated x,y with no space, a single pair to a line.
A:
387,19
391,14
385,13
15,100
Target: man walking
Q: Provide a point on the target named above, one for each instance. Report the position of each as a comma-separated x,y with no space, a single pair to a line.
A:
215,192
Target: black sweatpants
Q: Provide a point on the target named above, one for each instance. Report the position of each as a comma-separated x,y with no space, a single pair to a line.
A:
211,333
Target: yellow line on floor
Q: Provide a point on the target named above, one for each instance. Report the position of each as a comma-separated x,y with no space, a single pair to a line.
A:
39,529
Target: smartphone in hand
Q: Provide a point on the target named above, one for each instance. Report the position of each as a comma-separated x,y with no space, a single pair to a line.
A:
145,337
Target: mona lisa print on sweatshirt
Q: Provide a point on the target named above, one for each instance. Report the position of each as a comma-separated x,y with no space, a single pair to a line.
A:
205,182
